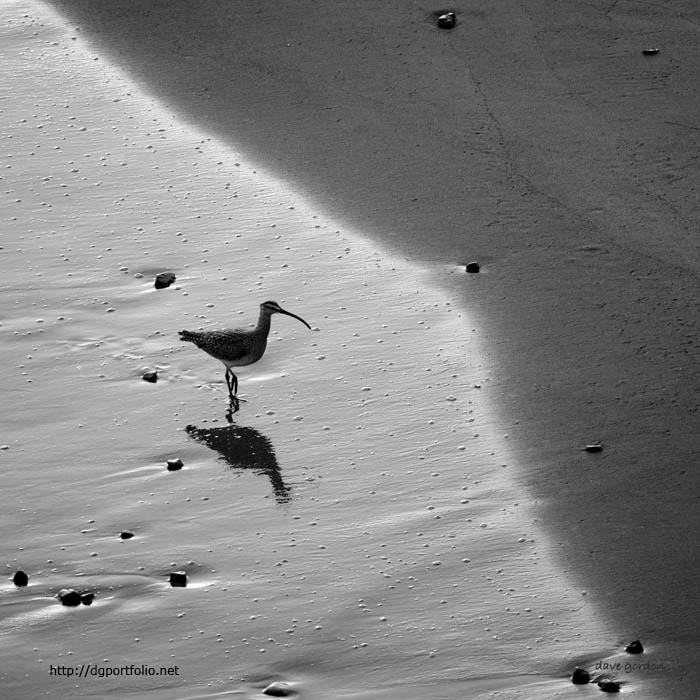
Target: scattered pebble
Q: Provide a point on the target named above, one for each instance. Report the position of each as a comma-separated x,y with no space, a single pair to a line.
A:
20,579
178,579
175,464
447,20
580,676
634,647
151,377
164,279
87,598
68,596
126,534
609,686
650,51
473,267
594,448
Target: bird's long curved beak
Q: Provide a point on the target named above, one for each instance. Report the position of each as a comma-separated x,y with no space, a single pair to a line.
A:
298,318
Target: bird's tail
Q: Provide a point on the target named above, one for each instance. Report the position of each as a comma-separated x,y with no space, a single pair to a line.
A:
189,336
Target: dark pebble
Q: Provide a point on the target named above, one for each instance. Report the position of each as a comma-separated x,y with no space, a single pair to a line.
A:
126,534
473,267
87,598
580,676
175,464
69,597
650,51
594,448
151,377
634,647
20,579
178,579
447,20
279,689
609,686
164,279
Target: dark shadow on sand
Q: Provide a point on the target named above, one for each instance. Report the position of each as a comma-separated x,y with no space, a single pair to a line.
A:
241,447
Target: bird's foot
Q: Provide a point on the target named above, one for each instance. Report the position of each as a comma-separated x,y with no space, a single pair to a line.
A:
233,407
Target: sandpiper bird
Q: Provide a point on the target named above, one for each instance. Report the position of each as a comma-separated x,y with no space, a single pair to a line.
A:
238,347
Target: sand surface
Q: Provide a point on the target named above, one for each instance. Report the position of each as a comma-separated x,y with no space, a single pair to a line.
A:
539,141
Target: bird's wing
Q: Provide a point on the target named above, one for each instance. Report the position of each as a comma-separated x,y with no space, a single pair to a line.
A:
232,344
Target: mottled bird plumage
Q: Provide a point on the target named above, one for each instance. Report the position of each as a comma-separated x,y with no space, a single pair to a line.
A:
235,347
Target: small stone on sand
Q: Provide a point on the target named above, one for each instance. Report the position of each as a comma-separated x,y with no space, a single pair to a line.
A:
175,464
446,20
594,448
151,377
20,579
279,689
650,51
473,267
609,686
126,534
87,598
164,279
580,676
178,579
634,647
68,596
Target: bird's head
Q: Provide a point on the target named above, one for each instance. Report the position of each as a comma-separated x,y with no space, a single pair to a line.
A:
272,307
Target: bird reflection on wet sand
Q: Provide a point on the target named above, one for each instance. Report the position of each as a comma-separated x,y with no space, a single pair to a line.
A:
242,447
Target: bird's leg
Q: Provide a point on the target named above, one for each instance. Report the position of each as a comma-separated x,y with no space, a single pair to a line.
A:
231,383
232,408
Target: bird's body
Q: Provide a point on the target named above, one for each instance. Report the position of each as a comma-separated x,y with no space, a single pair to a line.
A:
235,347
238,347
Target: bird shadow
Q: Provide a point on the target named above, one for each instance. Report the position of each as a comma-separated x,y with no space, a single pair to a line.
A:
241,447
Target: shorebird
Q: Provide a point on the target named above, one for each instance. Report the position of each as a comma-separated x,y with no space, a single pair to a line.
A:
238,347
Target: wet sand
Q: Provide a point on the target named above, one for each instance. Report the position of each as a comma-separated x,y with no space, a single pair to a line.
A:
559,156
356,529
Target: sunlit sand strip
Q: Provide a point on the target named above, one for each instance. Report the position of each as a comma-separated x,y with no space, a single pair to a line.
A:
390,394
